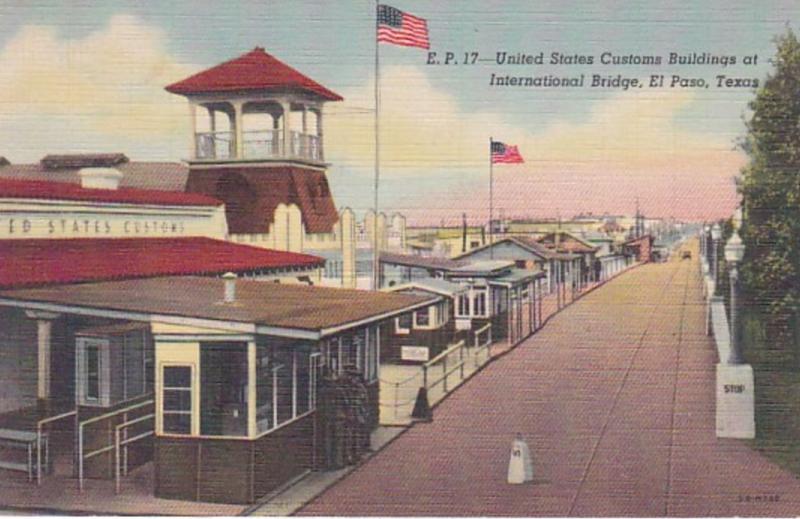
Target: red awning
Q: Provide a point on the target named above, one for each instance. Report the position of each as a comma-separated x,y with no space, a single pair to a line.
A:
255,70
38,262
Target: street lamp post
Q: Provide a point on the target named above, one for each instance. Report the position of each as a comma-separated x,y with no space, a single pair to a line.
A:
734,252
716,235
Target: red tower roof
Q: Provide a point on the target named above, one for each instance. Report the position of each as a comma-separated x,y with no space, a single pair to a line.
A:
255,70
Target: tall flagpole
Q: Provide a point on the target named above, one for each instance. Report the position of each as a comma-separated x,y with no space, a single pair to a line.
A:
491,200
375,241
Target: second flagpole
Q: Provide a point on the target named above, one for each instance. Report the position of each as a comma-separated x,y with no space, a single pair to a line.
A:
375,240
491,200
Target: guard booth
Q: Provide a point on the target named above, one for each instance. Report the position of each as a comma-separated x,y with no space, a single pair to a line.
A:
220,390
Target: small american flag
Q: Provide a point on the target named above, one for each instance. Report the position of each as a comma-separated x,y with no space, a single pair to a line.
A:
504,154
399,28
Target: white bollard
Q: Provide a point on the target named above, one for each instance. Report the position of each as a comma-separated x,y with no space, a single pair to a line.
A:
520,467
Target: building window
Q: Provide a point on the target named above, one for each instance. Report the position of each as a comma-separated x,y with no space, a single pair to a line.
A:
113,368
479,303
373,352
463,305
92,372
176,400
402,324
443,313
422,318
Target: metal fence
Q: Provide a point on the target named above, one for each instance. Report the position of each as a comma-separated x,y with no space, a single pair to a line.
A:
438,377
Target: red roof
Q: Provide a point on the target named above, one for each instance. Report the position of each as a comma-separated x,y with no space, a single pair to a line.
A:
39,262
37,189
255,70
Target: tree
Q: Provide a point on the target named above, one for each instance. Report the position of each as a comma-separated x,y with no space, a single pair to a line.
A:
771,192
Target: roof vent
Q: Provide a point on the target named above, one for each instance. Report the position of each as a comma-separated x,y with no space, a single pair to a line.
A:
83,160
230,287
100,178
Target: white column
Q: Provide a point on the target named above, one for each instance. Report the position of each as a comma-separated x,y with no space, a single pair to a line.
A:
193,130
287,133
305,146
252,390
319,135
238,127
44,325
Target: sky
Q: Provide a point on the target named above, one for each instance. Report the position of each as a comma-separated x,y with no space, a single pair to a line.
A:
87,76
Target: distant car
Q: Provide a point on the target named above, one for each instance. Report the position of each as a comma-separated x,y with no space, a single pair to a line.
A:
687,254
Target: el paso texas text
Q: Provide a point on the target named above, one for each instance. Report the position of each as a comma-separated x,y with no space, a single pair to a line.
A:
619,81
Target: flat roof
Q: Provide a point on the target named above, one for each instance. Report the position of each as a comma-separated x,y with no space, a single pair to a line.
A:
483,267
47,190
517,276
437,286
261,303
426,262
40,262
526,242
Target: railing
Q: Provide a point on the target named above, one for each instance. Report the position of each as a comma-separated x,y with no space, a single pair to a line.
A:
258,144
121,465
214,145
306,146
82,456
486,345
396,385
442,358
39,435
486,329
263,144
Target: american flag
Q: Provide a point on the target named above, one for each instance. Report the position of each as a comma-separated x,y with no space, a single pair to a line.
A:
399,28
505,154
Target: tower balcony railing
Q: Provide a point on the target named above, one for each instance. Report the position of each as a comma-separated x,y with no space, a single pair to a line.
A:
215,145
262,144
259,144
306,146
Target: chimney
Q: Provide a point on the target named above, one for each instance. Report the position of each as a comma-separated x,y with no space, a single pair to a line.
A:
230,287
100,178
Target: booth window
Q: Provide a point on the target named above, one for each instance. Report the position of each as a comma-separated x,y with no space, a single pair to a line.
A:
223,389
287,373
357,349
402,324
177,400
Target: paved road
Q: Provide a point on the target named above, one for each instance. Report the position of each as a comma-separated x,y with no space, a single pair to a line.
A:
616,399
